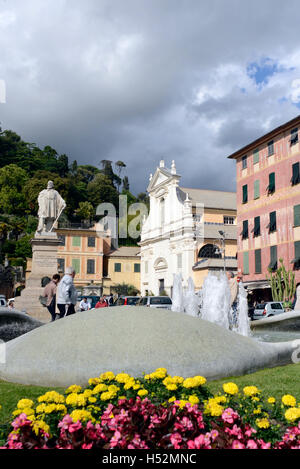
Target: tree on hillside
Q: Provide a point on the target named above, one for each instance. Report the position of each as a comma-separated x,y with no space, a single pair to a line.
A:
12,181
101,190
85,211
120,166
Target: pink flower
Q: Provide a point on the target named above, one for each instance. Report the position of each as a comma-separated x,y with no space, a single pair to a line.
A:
237,445
229,415
74,427
87,446
175,440
251,444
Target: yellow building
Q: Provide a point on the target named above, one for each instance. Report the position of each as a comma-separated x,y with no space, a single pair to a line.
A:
123,266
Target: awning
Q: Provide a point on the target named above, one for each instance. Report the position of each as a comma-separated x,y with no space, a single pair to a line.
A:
261,284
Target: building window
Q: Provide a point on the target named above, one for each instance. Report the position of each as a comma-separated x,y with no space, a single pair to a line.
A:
256,189
61,265
297,215
273,258
258,261
296,261
76,241
245,232
91,241
294,137
229,220
256,229
246,263
179,261
76,265
256,156
272,224
137,268
271,148
117,267
245,194
210,251
90,266
271,186
296,174
62,239
244,162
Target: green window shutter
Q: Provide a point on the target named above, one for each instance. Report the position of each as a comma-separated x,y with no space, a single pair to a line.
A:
273,222
256,189
297,249
245,194
271,187
256,156
271,148
76,265
273,258
296,174
258,261
76,241
117,267
245,234
257,226
90,266
137,268
246,263
297,215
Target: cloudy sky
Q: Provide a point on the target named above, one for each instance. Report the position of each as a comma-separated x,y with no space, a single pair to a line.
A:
142,80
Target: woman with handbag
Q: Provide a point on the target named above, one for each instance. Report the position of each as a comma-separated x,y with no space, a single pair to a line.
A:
50,294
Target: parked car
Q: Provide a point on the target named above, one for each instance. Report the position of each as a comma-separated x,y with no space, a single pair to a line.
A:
127,301
91,299
163,302
265,310
3,300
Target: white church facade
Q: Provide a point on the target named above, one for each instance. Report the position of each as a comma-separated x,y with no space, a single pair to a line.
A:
182,233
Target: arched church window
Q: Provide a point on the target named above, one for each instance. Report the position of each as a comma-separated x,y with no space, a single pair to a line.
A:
210,251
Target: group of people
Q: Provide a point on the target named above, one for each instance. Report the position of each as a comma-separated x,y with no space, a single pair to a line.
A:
104,302
61,293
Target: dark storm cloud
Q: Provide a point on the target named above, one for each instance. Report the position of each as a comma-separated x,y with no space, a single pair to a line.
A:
141,80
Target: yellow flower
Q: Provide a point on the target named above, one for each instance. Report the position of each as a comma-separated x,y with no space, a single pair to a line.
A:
230,388
94,381
257,411
213,408
122,397
25,403
289,400
142,392
106,396
81,415
271,400
194,382
250,391
40,425
220,399
263,423
171,387
292,414
92,400
27,411
108,376
73,389
52,396
122,378
129,384
194,400
172,399
99,388
74,399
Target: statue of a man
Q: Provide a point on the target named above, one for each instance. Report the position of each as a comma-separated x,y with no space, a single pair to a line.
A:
51,206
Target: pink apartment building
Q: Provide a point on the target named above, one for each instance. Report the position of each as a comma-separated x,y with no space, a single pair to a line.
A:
268,206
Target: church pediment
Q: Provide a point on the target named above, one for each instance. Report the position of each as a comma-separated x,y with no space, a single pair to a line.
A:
161,178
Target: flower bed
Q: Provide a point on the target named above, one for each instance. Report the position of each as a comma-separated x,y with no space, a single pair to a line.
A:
156,411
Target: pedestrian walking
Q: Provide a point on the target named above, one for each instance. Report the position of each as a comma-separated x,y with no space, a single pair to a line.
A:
50,294
67,294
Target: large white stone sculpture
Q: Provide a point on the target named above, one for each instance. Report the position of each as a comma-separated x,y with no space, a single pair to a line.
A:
51,206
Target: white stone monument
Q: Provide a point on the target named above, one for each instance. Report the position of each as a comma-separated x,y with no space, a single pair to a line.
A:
44,253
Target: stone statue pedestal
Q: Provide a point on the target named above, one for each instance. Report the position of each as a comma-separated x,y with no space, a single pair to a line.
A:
44,264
